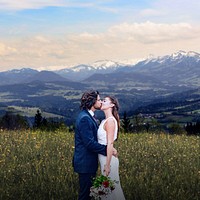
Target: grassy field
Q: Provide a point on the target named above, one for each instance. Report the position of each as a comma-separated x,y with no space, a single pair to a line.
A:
37,165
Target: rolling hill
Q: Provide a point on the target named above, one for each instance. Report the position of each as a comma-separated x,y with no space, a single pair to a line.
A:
161,83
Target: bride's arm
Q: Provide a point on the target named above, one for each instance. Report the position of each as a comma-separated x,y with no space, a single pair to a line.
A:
110,129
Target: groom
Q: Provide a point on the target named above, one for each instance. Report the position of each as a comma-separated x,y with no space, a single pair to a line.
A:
85,159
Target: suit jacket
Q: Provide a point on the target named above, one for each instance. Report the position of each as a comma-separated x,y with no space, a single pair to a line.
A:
85,159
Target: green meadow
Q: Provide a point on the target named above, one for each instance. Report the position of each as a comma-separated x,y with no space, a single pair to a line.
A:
38,165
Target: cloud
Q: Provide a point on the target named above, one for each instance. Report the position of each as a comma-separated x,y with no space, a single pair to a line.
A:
27,4
6,50
122,41
150,32
38,4
145,33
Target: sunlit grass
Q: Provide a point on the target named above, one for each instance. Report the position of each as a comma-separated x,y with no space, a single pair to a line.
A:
160,166
38,165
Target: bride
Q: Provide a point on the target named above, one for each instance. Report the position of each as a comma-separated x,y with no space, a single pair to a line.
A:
107,134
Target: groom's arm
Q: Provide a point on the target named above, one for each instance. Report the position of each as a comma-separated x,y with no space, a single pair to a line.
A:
86,133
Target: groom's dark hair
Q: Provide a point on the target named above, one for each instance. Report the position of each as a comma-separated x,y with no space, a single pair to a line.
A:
88,99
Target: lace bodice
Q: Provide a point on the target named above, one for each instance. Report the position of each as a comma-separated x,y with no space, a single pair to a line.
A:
101,134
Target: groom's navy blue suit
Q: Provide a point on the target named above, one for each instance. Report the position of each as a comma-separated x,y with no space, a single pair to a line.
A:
85,160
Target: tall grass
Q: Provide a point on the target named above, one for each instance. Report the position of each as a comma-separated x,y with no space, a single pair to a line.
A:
37,165
160,166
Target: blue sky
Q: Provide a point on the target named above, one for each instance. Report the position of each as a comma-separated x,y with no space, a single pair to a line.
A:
55,34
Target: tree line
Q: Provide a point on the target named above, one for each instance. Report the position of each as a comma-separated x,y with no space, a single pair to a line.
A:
11,121
135,124
193,128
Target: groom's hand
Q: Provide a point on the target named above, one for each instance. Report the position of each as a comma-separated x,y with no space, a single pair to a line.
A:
115,153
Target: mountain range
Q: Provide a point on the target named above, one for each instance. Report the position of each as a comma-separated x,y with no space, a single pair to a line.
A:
150,81
181,68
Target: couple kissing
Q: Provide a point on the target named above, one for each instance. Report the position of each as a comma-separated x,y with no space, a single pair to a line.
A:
95,143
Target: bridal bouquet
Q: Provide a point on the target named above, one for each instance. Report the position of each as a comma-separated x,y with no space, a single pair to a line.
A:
102,186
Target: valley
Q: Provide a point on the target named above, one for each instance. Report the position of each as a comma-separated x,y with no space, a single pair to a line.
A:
167,87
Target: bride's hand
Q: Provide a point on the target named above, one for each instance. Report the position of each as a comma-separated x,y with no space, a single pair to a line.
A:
106,170
115,153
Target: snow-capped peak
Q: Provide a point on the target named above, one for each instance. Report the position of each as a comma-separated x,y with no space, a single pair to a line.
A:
79,68
193,54
22,70
104,64
181,54
178,56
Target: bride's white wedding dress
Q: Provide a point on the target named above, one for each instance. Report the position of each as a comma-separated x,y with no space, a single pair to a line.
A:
117,193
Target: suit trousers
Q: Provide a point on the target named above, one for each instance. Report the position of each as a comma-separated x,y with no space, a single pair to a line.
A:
85,183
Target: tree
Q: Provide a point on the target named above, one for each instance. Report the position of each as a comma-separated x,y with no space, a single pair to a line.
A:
126,124
147,126
175,128
38,119
193,129
49,124
11,121
138,122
